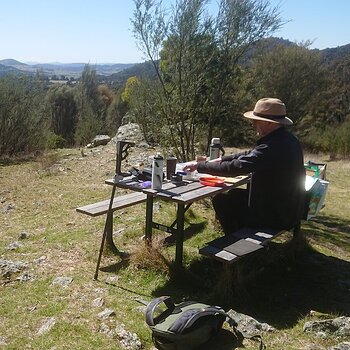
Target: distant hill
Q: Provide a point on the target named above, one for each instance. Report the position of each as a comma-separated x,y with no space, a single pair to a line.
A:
4,70
144,70
11,62
61,68
335,53
67,69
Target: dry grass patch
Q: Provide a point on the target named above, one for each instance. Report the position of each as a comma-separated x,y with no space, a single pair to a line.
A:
151,257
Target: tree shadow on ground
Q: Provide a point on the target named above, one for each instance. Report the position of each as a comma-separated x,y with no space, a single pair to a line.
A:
334,224
277,285
327,229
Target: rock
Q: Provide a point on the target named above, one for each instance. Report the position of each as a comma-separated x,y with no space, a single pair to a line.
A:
63,281
105,314
8,267
129,132
47,326
339,326
250,325
106,330
318,314
342,346
128,340
3,340
40,260
143,144
8,207
26,277
112,279
100,140
98,302
14,245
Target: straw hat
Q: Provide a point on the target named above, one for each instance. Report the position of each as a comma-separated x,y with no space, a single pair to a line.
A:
270,110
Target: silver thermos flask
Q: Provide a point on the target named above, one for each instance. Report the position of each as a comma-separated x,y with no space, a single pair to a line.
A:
157,172
215,148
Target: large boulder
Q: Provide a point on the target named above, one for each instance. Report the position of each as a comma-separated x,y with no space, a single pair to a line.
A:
130,132
100,140
250,325
339,326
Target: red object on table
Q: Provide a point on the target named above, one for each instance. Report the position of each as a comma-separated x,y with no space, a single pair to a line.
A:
211,181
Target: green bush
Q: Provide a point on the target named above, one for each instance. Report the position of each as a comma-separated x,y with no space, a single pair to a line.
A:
23,121
334,140
55,141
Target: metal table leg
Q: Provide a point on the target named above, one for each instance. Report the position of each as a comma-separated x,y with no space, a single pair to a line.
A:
107,237
149,218
109,234
180,219
186,208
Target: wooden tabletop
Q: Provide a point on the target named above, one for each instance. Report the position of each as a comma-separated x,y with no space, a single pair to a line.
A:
184,192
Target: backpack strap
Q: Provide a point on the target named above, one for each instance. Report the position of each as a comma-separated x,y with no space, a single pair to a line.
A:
151,307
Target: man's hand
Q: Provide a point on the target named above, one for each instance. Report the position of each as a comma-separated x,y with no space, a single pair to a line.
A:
193,165
189,167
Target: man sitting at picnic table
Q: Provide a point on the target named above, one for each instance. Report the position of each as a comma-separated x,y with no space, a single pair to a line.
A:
275,196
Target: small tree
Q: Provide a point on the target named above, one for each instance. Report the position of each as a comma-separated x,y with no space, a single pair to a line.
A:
91,107
63,111
141,97
198,60
23,118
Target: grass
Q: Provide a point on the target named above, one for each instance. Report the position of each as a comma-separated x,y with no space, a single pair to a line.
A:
281,285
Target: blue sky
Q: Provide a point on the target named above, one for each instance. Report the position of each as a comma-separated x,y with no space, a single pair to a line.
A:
99,31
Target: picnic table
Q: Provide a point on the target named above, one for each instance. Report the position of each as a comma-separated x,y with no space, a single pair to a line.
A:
183,194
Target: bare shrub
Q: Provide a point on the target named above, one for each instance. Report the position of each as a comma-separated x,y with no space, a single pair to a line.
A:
152,256
46,164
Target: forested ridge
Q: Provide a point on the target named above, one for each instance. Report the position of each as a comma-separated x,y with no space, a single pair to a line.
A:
191,88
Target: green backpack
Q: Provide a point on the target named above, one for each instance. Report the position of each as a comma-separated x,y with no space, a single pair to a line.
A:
187,325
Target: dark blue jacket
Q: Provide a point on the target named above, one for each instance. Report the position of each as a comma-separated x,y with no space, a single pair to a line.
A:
277,192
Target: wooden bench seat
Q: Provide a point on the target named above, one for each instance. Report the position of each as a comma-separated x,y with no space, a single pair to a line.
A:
119,202
240,243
